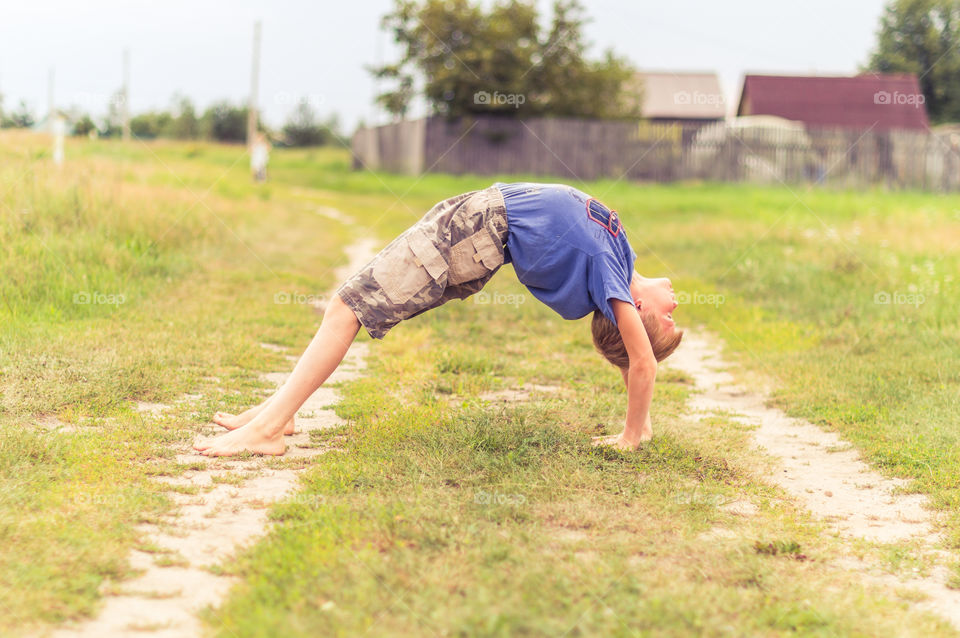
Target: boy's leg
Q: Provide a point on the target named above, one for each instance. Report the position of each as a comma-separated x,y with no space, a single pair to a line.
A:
264,433
449,254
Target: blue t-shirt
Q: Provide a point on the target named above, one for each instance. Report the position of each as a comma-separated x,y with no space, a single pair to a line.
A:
567,248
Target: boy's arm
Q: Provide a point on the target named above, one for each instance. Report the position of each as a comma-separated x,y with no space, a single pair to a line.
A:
626,384
639,377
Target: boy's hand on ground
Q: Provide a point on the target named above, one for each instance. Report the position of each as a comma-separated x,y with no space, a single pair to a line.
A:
618,441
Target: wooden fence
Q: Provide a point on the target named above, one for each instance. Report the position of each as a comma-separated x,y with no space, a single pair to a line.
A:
590,149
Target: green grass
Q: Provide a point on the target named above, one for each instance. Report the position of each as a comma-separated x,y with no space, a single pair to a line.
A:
179,292
470,519
796,281
446,513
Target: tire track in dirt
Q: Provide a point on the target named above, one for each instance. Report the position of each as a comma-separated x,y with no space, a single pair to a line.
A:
226,511
823,472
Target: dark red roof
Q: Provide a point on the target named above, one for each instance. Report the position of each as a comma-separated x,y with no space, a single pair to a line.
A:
863,101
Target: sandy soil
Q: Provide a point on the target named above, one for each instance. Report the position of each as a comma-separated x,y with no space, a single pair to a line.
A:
817,468
824,474
525,392
179,576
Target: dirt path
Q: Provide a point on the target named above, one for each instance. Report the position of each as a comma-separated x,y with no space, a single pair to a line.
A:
226,510
824,474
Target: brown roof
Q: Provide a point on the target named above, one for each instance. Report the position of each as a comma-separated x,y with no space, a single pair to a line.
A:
863,101
681,95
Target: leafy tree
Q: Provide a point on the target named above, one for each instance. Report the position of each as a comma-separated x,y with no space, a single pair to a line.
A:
184,125
499,60
304,129
151,124
21,118
143,126
113,122
225,122
923,37
83,126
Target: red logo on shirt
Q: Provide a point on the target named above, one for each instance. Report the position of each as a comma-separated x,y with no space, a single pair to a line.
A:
604,216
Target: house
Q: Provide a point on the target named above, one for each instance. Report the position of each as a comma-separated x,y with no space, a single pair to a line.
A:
870,101
681,97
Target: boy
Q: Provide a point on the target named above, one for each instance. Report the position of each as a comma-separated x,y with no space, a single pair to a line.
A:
568,249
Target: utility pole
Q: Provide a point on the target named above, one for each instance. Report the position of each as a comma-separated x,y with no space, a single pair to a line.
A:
125,113
254,87
50,77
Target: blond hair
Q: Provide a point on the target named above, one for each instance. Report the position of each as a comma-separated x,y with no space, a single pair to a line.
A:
609,343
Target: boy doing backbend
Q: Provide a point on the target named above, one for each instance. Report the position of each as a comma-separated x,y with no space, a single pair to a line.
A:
567,248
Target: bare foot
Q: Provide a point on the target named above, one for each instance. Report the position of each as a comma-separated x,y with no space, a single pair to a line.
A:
619,442
243,439
232,422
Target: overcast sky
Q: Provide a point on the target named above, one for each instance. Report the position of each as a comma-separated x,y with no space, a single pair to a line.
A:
318,50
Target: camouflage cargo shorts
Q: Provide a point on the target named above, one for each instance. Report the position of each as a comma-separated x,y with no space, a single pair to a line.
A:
450,253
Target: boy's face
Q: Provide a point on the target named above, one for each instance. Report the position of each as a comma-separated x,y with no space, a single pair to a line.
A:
655,296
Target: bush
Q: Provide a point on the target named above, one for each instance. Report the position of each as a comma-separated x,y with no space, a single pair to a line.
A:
225,122
303,129
21,118
83,126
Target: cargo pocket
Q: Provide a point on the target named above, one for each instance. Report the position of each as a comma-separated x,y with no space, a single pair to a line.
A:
412,265
475,257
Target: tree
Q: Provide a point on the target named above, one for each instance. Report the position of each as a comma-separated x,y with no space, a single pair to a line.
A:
576,87
471,60
113,122
184,124
83,126
151,124
923,37
225,122
303,128
21,118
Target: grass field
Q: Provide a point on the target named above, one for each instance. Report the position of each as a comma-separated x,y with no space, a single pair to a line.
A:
151,272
